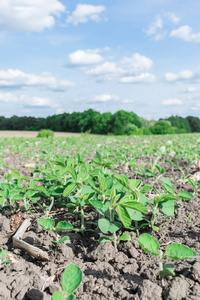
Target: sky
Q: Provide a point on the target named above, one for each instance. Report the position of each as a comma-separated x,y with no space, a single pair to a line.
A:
61,56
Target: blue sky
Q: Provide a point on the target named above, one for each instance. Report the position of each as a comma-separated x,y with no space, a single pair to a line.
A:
62,56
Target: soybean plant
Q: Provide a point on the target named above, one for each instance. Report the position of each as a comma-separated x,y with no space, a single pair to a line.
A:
71,280
174,251
49,224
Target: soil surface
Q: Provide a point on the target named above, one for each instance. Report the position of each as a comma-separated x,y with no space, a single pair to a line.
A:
32,134
128,273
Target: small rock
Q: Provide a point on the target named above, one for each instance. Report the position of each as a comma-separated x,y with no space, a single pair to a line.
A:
149,291
178,289
34,295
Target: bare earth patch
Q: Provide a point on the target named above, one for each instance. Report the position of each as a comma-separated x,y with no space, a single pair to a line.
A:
32,134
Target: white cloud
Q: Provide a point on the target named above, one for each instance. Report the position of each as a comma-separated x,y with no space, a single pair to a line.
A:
83,58
128,101
136,63
127,66
185,33
25,100
85,12
181,76
191,89
23,15
106,71
37,101
172,101
7,97
105,98
172,17
19,79
144,77
155,29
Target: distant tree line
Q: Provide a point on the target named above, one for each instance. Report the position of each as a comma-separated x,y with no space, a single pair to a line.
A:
119,123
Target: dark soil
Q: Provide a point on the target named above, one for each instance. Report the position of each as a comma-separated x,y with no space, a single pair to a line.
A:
128,273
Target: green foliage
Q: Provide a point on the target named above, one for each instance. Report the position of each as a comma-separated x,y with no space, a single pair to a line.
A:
174,251
162,127
130,129
71,279
45,133
4,254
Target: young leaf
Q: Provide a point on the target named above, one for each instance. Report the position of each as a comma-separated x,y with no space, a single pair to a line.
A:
51,177
178,252
61,226
69,189
96,203
192,182
167,207
166,180
135,184
99,157
71,279
123,180
102,183
168,188
124,216
104,239
64,238
148,243
124,237
185,195
72,172
168,270
57,296
106,226
70,297
135,205
146,189
47,224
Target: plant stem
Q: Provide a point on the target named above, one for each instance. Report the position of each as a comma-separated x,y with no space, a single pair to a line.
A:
112,213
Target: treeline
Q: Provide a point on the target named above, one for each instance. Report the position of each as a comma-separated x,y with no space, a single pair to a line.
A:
119,123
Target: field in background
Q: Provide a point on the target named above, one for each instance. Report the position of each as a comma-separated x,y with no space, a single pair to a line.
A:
32,134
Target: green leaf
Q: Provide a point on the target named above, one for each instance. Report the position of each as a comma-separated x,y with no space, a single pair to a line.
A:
5,193
57,296
168,197
102,183
135,205
72,172
96,203
64,238
3,254
69,189
51,178
192,182
70,297
47,224
167,207
135,184
178,252
148,243
146,189
124,237
16,174
99,157
168,270
6,262
123,180
106,226
166,180
185,195
104,239
61,226
168,188
71,279
124,216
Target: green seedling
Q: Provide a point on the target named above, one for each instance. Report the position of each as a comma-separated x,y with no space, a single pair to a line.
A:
194,185
71,279
49,224
4,254
174,251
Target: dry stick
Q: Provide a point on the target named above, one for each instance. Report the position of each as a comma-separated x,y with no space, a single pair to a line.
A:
20,244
